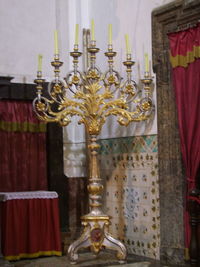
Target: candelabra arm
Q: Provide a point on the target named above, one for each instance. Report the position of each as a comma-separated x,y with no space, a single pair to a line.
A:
39,84
112,77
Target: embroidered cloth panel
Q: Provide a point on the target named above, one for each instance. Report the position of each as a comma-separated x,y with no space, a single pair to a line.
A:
4,196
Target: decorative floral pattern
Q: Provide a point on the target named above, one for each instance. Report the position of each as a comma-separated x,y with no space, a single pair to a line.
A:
130,170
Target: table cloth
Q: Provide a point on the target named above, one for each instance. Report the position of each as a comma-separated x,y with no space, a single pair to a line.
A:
30,225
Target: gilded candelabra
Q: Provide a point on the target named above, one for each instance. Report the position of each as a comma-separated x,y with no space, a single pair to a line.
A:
90,96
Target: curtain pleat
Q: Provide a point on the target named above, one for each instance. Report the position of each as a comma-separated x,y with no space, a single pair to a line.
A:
186,82
23,148
35,234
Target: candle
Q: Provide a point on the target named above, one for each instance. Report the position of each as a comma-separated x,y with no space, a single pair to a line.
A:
110,34
146,58
128,50
56,42
92,30
76,34
40,62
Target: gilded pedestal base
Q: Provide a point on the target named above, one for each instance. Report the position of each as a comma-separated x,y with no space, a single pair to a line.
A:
96,237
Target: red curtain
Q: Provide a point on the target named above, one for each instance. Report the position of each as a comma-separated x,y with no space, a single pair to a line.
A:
23,148
185,60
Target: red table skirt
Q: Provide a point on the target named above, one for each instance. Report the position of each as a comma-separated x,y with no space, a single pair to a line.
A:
30,228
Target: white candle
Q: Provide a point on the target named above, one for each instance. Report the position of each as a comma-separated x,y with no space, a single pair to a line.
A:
110,34
40,62
56,42
128,50
146,60
92,31
76,34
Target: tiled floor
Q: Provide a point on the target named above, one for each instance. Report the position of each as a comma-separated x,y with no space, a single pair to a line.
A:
104,259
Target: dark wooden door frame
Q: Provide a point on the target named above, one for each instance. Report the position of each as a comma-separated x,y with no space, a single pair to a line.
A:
169,18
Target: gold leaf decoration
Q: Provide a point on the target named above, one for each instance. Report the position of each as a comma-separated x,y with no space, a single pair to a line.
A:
40,106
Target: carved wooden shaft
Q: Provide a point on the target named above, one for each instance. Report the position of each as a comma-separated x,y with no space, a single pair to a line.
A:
194,246
198,234
95,187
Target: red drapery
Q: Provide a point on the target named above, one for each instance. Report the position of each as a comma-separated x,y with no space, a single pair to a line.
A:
185,60
23,148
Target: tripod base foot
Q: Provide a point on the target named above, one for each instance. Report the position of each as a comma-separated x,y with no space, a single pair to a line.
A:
96,236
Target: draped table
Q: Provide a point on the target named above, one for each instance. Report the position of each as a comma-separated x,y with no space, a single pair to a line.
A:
30,225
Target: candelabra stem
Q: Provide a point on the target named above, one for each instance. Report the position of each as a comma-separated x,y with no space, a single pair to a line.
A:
95,187
96,224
